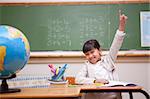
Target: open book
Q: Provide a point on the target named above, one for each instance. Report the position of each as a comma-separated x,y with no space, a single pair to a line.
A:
119,83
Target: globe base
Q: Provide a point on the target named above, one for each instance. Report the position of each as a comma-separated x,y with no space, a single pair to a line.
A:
4,86
9,91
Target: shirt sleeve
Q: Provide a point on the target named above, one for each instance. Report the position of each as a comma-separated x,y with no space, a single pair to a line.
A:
115,46
82,76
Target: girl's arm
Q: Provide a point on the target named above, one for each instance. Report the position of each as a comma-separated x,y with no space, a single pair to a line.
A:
119,36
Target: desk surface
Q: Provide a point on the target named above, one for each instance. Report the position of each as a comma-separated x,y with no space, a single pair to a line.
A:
63,92
60,92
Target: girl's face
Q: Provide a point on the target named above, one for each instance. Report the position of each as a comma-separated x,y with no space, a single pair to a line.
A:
93,56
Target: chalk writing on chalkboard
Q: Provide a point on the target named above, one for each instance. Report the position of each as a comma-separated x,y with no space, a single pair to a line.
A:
91,27
58,32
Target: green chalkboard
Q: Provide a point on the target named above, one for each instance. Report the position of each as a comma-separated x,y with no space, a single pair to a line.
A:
67,27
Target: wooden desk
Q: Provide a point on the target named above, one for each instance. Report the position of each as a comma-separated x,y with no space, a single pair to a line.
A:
54,93
129,89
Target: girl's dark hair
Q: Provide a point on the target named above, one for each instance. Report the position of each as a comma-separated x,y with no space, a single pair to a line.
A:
90,44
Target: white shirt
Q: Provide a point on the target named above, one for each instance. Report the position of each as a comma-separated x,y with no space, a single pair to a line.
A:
105,68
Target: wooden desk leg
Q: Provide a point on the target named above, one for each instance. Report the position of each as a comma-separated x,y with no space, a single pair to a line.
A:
130,94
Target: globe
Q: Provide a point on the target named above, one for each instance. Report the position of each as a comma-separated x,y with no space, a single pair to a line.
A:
14,51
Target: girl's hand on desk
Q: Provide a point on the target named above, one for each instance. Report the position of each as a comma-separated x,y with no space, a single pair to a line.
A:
104,81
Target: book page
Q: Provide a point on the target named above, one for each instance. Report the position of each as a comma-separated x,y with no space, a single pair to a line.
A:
119,83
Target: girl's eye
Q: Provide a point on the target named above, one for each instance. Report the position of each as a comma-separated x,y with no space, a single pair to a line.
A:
86,54
92,51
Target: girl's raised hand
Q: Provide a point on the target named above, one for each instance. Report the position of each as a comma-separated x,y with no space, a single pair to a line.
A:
122,21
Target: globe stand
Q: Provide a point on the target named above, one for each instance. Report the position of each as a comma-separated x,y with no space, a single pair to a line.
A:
4,88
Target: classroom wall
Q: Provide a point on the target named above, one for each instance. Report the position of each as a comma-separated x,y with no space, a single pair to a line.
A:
131,71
